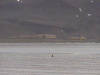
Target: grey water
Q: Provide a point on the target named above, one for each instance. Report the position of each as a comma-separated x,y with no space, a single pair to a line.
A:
36,59
75,48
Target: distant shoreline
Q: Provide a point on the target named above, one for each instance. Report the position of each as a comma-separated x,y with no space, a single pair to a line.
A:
46,41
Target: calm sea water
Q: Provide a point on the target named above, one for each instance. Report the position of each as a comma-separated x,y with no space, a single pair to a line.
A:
36,59
44,64
75,48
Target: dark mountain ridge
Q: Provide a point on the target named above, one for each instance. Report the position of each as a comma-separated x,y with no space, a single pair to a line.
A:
64,18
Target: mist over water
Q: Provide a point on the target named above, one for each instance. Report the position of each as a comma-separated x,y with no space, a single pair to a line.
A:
36,59
74,48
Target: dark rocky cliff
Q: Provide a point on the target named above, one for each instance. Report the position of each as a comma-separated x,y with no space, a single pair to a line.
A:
64,18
